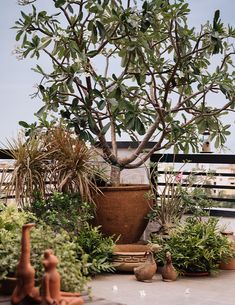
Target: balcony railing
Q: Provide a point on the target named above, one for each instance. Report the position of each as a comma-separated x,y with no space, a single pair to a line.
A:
222,190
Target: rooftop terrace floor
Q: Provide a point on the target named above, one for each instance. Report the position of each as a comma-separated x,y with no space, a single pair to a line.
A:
206,290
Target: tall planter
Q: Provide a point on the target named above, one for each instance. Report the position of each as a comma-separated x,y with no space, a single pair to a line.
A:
122,210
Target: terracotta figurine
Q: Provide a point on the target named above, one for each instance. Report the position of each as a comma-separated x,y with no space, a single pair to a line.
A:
146,271
169,273
25,273
51,293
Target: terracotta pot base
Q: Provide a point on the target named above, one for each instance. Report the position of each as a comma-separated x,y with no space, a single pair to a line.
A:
129,256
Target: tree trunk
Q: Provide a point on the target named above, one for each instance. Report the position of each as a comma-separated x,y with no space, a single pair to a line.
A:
115,175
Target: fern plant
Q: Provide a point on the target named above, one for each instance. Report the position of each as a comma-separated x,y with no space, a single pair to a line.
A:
98,249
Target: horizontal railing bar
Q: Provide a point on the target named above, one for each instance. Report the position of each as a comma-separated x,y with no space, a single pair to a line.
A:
197,173
208,186
193,158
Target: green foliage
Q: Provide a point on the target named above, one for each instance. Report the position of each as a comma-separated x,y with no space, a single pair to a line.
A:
62,211
55,160
163,75
196,246
43,237
97,249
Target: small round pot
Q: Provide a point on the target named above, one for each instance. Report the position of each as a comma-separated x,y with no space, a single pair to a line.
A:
195,274
129,256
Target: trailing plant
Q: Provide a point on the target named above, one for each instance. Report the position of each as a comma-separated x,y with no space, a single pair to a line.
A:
63,211
158,91
174,194
97,249
196,246
42,237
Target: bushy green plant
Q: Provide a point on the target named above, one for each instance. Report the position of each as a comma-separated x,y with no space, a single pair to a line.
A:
98,249
196,246
63,210
43,237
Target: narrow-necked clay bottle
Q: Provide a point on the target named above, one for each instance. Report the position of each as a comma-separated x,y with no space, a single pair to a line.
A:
25,273
169,273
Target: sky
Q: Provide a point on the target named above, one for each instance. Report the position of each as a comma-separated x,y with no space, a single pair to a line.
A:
17,79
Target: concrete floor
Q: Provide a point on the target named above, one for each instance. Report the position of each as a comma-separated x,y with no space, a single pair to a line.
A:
207,290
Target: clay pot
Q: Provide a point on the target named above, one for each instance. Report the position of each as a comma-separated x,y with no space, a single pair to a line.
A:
129,256
7,285
121,211
231,264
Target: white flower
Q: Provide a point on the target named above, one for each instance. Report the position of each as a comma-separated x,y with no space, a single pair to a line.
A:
73,136
25,2
88,144
181,74
115,288
62,33
142,293
18,52
159,17
56,38
78,61
226,31
187,291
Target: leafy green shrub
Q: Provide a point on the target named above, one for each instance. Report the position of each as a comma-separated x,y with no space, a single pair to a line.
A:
43,237
196,246
62,210
97,249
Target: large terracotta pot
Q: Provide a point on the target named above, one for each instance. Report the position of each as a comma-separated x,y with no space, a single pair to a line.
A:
122,211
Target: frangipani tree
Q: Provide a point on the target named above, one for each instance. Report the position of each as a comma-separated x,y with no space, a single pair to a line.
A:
134,68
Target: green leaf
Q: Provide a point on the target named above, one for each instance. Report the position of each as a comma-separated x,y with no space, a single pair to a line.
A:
24,124
59,3
101,29
105,128
139,126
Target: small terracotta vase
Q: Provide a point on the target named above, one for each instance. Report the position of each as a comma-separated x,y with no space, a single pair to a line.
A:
231,264
169,272
25,273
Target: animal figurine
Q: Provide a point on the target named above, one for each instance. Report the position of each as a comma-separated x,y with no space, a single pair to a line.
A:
51,293
146,271
169,273
25,290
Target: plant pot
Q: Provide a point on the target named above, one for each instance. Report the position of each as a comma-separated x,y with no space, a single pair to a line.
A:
230,265
195,274
129,256
7,285
122,210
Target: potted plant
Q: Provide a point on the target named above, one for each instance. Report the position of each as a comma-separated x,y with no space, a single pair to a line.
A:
140,71
175,193
197,246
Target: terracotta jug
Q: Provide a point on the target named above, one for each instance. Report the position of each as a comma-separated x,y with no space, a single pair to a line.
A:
231,264
169,273
25,273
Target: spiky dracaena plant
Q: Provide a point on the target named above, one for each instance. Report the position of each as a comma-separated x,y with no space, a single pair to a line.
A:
72,169
30,170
